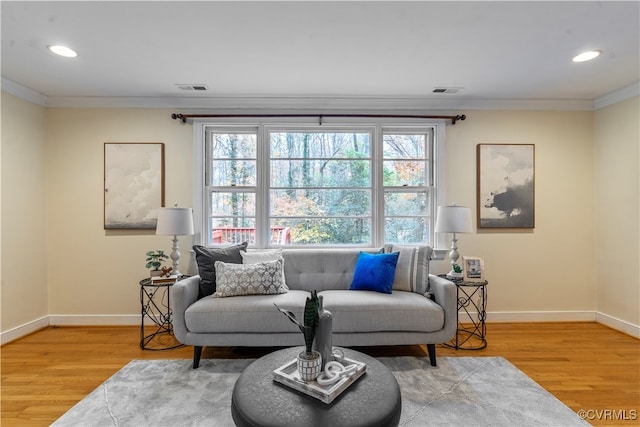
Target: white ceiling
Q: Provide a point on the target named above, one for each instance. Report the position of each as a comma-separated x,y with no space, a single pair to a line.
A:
331,49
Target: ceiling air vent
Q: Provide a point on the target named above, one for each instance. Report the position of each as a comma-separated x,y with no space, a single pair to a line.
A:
197,87
446,89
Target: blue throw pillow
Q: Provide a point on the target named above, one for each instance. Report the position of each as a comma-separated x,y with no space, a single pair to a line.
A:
375,272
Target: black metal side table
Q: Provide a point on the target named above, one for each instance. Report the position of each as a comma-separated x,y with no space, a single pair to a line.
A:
472,328
155,302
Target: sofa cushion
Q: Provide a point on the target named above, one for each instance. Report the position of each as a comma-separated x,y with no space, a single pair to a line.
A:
412,270
246,314
264,278
368,311
206,259
321,269
374,272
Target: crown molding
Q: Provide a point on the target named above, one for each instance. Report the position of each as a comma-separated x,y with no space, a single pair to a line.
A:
23,92
617,96
315,103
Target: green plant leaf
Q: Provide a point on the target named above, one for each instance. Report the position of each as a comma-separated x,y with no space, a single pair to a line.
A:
291,316
311,319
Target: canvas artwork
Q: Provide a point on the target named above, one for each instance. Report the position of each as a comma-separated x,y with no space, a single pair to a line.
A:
133,185
506,185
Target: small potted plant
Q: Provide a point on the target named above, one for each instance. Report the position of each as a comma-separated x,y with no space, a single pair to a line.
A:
154,262
456,272
309,360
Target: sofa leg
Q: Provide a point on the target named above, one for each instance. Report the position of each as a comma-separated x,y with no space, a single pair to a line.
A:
431,349
197,352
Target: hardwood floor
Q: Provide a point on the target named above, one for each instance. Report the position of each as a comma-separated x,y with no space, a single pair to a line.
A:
586,365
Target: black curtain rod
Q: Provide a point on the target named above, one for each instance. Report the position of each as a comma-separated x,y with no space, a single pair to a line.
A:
184,117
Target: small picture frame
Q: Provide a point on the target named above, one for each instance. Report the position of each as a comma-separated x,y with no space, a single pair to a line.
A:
473,268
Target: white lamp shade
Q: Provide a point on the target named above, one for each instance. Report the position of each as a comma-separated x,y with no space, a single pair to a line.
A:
175,222
453,219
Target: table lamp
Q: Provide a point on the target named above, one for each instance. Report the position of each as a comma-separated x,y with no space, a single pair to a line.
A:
453,219
175,222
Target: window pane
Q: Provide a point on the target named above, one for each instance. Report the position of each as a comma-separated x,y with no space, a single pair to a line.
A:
404,173
236,204
326,231
321,186
233,145
233,230
406,204
342,202
404,146
320,173
328,145
233,222
406,230
407,163
227,173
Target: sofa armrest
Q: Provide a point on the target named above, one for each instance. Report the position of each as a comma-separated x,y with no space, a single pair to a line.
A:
445,295
184,293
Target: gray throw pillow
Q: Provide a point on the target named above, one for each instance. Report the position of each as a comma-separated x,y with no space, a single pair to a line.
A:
206,259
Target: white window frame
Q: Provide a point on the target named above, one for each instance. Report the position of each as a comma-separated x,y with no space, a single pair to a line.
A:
200,128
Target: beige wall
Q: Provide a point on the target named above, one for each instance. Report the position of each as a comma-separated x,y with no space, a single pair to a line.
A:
617,207
548,273
24,212
93,271
550,269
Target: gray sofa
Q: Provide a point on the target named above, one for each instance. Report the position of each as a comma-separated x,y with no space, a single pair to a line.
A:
425,315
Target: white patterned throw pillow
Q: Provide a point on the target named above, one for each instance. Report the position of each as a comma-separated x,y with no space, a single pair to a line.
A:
261,255
249,279
264,255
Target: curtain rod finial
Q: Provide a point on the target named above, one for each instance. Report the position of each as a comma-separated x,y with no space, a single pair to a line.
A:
180,116
458,117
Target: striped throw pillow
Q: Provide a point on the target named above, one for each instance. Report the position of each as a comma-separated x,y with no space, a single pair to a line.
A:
412,270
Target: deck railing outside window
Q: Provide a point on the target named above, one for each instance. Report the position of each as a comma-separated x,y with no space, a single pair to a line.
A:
279,235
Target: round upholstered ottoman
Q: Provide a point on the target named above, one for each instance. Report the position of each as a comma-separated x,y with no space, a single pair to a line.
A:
257,400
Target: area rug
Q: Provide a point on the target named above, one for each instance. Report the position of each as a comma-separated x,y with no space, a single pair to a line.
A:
460,391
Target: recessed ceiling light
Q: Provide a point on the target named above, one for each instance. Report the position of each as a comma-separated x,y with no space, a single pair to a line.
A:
587,56
191,86
63,51
443,89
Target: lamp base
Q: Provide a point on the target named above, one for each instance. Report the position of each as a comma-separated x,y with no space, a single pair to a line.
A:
175,257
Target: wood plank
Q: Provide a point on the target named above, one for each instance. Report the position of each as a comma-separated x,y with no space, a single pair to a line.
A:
586,365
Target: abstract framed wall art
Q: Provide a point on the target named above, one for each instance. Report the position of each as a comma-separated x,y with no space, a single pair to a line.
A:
506,185
133,185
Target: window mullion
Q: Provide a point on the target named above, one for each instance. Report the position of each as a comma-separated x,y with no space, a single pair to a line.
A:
262,189
377,188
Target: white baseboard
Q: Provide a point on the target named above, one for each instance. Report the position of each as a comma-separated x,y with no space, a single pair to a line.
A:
94,320
540,316
23,330
618,324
